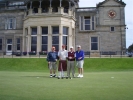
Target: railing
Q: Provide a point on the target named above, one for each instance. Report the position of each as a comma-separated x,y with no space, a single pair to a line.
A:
13,8
86,9
41,11
88,54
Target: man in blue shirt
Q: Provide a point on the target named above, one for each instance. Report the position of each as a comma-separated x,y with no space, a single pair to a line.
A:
52,57
79,55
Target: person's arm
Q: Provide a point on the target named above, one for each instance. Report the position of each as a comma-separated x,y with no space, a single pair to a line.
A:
59,55
48,57
66,54
82,55
73,56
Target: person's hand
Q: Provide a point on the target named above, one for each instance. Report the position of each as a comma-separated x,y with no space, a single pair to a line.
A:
56,60
70,57
79,58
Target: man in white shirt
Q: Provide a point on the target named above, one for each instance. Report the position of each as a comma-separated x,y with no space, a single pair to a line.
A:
62,54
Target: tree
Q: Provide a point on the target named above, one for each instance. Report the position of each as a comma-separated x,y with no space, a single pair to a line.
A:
130,48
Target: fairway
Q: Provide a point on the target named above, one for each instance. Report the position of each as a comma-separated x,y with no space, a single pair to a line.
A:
109,85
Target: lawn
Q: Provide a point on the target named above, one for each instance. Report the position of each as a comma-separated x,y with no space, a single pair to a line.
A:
38,86
40,64
104,79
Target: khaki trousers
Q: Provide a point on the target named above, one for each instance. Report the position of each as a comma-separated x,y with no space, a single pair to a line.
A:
70,68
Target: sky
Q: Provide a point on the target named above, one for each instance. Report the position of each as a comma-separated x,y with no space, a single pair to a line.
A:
128,16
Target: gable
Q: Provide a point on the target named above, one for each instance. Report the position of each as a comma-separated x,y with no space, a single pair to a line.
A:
111,3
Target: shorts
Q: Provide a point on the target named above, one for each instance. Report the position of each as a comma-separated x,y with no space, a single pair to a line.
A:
52,65
80,63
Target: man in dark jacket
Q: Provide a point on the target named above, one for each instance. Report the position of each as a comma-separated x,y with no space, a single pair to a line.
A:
52,57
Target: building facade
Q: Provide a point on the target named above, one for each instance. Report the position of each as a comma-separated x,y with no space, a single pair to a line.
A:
37,25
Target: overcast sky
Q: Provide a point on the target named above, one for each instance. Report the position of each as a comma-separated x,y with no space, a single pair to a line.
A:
128,12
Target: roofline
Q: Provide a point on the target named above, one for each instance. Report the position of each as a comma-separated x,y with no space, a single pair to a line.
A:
120,2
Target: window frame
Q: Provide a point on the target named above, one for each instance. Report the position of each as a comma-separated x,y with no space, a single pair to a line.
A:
94,42
111,29
82,23
8,23
33,35
18,43
66,36
44,35
56,45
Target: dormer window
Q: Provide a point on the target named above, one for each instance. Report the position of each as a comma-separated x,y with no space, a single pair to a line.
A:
87,23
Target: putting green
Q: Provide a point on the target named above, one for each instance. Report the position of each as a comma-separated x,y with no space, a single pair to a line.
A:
94,86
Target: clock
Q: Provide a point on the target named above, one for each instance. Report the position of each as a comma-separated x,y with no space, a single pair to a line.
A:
111,13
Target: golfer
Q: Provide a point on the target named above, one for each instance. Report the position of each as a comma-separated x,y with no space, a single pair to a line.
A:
79,55
71,63
52,62
62,54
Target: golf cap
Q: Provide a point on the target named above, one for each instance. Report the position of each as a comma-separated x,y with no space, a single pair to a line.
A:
71,47
78,46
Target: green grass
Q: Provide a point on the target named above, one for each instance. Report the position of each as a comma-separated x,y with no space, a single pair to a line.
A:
104,79
38,86
91,64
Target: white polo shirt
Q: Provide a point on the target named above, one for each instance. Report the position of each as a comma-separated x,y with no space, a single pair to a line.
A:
62,54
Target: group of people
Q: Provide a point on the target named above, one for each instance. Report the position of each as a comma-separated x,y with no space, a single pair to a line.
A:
66,62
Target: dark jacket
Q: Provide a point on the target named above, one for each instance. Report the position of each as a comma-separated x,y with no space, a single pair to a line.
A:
52,56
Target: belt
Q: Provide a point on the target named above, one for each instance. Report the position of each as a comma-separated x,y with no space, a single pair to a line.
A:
71,60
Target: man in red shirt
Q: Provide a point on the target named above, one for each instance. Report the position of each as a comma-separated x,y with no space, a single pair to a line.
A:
71,63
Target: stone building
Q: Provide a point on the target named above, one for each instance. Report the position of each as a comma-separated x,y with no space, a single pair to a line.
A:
37,25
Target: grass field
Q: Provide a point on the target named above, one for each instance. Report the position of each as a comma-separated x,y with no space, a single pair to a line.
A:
104,79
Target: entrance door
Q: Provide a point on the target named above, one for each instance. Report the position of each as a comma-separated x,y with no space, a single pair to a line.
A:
9,47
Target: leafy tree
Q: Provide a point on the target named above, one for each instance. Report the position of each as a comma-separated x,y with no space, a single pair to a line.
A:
130,48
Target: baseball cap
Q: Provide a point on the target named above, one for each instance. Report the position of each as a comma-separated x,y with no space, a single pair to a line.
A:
78,46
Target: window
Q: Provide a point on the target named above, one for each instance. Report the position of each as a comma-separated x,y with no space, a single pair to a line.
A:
10,23
34,39
44,38
9,41
34,31
44,30
33,43
65,30
44,43
0,44
65,35
55,37
55,42
112,29
94,43
87,23
55,30
18,44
